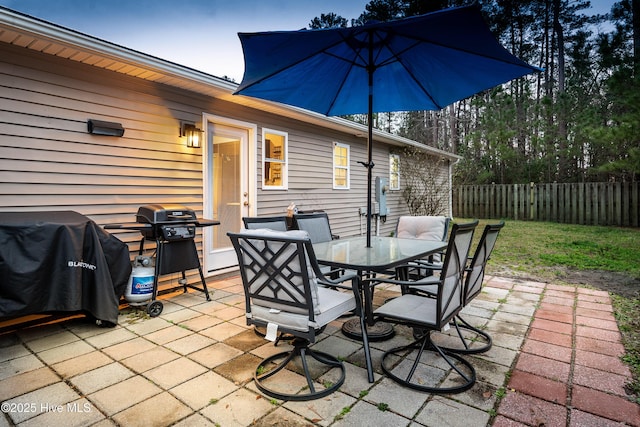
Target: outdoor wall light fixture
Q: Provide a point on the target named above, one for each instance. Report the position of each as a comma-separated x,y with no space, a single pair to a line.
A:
192,133
99,127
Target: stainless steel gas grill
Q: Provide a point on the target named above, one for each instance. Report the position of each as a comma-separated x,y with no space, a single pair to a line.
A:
173,227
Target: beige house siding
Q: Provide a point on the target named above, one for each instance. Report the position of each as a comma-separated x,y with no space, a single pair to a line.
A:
48,160
310,180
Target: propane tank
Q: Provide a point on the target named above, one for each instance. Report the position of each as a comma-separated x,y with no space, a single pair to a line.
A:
140,286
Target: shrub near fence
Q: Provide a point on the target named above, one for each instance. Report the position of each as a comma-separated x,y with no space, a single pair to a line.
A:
588,203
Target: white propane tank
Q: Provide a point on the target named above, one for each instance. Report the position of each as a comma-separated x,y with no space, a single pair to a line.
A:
140,286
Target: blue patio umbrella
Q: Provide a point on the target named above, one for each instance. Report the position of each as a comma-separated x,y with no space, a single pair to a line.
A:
424,62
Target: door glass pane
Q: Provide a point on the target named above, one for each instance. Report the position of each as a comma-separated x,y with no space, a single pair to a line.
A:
227,203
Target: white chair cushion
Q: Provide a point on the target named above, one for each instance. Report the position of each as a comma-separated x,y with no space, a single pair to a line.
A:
422,227
411,308
332,305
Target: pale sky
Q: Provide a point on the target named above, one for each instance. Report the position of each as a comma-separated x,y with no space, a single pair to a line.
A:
200,34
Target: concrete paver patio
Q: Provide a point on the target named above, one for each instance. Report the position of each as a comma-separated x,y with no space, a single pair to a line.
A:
554,362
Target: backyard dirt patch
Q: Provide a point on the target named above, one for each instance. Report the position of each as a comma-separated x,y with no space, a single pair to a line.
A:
609,281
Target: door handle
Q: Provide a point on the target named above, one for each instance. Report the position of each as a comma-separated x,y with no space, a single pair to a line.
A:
246,203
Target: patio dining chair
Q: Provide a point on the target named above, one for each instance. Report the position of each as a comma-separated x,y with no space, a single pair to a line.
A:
319,229
418,365
285,292
278,223
479,341
316,224
425,227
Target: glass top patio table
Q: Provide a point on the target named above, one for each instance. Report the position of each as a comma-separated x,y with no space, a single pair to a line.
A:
384,254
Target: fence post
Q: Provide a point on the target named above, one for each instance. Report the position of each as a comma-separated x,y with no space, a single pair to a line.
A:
634,204
574,208
594,203
547,202
581,204
503,202
554,202
569,199
588,203
611,203
515,202
562,191
617,214
625,196
491,200
531,202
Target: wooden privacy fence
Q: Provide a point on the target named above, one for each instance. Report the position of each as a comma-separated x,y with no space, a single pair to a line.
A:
588,203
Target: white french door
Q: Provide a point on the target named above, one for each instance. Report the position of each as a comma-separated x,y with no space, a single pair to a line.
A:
228,194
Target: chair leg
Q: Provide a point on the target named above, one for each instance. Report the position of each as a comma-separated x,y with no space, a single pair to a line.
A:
301,350
484,337
367,350
465,373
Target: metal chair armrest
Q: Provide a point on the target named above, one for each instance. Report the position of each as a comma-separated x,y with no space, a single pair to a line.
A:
406,285
425,264
338,283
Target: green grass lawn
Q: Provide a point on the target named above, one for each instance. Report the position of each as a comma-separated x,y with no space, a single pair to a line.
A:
544,248
606,258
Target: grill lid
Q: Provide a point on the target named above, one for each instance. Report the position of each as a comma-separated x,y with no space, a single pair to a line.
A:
165,214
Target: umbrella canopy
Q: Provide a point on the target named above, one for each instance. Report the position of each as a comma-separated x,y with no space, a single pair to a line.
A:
419,63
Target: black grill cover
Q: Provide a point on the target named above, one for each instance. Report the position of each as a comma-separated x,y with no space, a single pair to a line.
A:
60,261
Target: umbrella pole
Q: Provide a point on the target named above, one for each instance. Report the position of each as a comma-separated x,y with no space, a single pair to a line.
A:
369,165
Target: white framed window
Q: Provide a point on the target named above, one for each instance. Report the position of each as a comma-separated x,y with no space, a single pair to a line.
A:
341,153
394,172
274,160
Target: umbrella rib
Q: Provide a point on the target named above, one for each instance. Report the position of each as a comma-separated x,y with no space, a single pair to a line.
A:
419,40
399,60
356,51
467,51
396,57
352,62
349,61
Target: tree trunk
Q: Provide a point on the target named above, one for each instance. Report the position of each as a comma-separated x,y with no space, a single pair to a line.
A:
453,137
635,10
561,118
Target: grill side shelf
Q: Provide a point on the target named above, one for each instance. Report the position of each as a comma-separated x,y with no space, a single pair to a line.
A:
128,226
